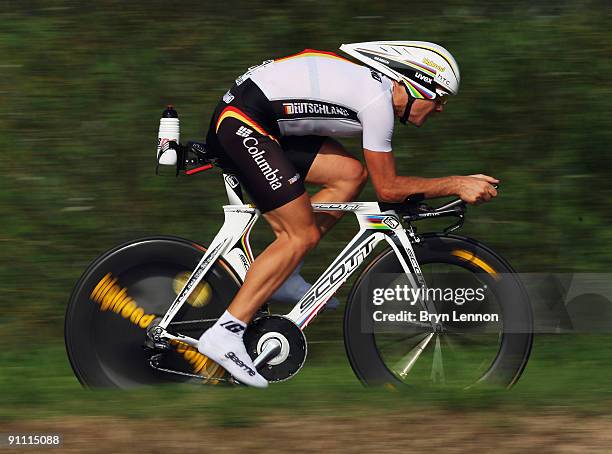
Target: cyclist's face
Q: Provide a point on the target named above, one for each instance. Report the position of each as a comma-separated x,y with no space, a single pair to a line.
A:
422,109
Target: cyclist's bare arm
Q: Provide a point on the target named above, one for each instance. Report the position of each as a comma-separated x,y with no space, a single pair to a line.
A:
391,187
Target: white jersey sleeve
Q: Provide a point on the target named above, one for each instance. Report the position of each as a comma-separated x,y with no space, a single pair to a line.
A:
377,121
320,93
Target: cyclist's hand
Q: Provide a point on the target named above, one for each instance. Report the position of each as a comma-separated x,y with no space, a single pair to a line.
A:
476,189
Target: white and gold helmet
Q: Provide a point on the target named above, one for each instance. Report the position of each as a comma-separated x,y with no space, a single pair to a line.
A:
427,70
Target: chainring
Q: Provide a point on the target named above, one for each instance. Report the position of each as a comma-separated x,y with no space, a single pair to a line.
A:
293,346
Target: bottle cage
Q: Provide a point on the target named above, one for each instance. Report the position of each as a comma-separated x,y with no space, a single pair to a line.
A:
190,159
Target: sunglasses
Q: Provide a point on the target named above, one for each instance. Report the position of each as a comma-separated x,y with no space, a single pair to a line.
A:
441,100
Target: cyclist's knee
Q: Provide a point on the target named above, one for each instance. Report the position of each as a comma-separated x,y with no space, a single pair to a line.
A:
362,177
306,239
354,174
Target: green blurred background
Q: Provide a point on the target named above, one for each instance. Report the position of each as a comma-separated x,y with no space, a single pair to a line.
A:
83,84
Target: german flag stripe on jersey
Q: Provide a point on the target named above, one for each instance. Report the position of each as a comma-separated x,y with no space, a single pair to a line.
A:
232,112
313,53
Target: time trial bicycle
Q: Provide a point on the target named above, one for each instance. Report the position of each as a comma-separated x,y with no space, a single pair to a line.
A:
136,313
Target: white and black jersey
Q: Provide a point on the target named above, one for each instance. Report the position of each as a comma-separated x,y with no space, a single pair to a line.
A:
320,93
270,126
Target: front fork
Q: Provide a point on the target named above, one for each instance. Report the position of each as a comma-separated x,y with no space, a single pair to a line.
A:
401,242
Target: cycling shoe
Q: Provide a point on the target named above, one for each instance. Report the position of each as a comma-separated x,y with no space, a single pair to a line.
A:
228,350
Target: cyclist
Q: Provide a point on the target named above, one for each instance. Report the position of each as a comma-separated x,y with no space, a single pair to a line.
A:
275,128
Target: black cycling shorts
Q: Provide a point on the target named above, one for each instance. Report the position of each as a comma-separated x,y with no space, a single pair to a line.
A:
245,138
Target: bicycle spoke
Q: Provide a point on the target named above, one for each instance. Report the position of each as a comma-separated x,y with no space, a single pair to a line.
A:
437,366
468,355
405,365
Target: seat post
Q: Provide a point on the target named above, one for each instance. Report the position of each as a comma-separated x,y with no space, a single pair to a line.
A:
233,189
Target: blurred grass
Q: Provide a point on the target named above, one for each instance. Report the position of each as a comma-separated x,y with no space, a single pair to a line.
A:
39,383
82,87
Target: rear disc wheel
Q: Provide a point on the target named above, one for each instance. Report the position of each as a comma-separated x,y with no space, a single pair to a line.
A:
126,290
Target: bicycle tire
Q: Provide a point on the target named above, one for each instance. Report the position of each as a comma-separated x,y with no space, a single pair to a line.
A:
514,347
105,347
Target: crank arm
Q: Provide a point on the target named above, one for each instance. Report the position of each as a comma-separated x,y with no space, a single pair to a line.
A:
270,350
159,334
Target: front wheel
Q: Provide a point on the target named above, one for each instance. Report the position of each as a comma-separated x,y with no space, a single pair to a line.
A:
461,354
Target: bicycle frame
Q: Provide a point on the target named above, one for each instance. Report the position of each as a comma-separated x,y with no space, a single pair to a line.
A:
232,245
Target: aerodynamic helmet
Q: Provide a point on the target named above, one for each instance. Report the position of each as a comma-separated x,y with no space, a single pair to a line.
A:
426,69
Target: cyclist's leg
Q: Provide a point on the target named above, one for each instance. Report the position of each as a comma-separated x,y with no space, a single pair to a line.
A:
296,233
325,162
278,190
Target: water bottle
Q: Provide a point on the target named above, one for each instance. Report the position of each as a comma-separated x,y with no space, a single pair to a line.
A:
169,130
